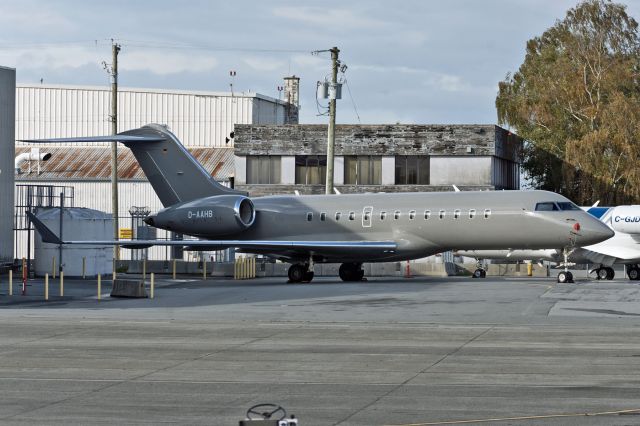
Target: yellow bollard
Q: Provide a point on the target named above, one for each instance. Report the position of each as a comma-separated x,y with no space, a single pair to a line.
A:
53,267
99,285
253,267
529,269
84,267
204,268
46,286
114,269
144,269
152,285
174,269
10,282
61,283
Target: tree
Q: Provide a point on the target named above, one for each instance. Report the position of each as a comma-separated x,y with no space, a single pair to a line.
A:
576,101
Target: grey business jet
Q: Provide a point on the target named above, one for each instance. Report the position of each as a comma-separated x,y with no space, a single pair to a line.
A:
348,229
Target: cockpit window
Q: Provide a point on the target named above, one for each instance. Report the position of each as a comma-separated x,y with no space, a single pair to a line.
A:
546,207
568,206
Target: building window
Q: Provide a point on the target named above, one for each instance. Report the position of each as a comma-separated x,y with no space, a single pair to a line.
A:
363,170
311,169
412,170
263,169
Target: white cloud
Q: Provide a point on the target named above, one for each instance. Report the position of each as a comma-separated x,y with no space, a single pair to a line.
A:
164,63
329,17
262,63
442,81
51,57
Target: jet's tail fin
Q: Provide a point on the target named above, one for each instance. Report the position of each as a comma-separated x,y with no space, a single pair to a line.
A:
176,176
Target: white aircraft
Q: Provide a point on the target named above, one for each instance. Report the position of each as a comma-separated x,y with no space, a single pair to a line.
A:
622,248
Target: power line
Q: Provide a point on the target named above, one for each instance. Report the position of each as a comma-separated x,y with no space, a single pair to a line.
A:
353,102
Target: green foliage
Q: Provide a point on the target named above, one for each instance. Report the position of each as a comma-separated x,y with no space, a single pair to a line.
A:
575,99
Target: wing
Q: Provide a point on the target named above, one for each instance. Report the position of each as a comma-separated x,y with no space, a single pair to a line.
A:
273,246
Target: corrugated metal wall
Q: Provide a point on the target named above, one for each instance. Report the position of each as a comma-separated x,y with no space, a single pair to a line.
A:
7,153
199,119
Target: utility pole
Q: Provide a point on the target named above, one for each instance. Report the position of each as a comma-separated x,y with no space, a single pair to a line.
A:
333,89
115,48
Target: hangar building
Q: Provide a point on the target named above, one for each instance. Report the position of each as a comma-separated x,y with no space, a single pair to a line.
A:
7,153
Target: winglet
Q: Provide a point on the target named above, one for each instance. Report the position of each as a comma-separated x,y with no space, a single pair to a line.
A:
47,235
596,204
455,188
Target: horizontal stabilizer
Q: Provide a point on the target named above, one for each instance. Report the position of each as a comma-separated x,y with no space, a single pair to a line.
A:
111,138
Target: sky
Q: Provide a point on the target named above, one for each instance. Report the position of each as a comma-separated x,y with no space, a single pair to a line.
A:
423,62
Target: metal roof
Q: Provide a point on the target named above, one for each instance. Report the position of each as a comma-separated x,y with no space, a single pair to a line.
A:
93,163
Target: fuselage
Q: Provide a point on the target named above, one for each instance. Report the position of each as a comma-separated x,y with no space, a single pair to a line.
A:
420,223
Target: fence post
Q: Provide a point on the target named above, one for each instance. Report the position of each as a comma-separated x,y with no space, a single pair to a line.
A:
84,267
10,282
204,268
99,285
61,283
152,277
114,269
46,286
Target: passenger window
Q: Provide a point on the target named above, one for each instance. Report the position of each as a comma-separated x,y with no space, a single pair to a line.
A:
352,215
442,213
472,213
396,214
366,216
323,216
412,214
338,214
427,214
546,207
383,215
309,217
456,214
487,213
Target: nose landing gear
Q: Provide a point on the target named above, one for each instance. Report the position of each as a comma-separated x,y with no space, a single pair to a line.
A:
565,276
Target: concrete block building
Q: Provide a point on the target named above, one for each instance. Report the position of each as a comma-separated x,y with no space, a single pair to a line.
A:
376,158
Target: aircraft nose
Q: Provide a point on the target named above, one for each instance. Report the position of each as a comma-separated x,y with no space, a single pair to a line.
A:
593,231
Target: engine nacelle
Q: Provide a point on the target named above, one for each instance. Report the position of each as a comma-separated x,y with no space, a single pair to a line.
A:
212,216
626,219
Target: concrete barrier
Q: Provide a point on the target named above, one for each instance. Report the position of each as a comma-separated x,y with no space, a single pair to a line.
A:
128,288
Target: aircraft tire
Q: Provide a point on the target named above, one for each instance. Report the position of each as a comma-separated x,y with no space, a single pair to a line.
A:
610,273
633,273
477,273
602,273
350,272
308,276
563,277
483,274
297,273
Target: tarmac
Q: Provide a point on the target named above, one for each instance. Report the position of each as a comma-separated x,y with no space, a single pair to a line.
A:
389,351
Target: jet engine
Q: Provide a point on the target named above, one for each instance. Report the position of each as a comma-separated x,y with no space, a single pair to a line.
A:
214,216
626,219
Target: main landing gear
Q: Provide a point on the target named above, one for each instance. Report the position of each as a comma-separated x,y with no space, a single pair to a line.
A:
299,273
351,272
607,273
480,271
633,272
